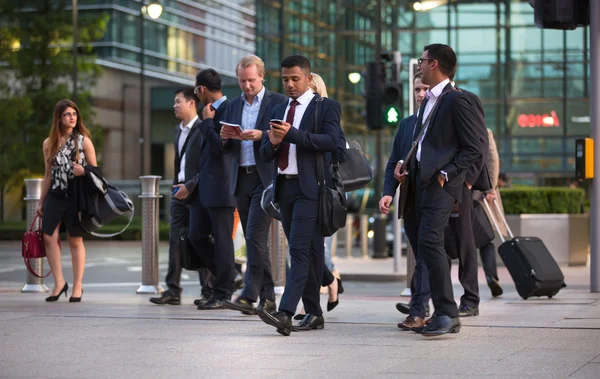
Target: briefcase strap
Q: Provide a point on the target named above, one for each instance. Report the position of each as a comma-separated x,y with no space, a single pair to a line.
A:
423,128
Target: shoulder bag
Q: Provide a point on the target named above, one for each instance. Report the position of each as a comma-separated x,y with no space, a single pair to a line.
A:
332,200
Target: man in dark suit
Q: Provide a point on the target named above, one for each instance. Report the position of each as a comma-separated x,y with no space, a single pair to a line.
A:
448,147
249,177
188,139
420,292
215,204
292,145
476,177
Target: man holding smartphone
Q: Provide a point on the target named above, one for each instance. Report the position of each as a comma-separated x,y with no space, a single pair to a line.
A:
246,120
292,147
188,139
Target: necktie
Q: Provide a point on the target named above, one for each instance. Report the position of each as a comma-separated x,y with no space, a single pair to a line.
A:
282,163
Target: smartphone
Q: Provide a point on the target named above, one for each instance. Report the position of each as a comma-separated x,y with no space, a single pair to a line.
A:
276,121
175,190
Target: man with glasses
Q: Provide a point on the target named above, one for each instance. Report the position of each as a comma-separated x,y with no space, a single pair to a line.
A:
448,146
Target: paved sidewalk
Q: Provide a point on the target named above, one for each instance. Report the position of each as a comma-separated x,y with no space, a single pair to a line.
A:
115,333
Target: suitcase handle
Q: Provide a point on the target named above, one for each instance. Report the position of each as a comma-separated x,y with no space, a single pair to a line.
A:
494,219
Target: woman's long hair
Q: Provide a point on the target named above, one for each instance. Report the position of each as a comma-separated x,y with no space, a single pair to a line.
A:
318,85
54,138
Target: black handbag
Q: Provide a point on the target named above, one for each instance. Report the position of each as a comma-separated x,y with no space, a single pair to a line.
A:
482,227
356,171
332,200
189,259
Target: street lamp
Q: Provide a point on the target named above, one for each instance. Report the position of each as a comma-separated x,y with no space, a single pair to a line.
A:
153,10
354,77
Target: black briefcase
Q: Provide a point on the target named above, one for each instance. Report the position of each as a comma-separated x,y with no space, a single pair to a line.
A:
482,227
189,259
355,171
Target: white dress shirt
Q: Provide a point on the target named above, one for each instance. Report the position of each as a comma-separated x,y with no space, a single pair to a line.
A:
249,119
185,132
432,94
304,100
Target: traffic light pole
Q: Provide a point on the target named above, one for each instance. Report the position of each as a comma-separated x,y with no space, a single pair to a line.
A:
379,244
595,132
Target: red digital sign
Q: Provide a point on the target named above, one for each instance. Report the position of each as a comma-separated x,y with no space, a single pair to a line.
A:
538,120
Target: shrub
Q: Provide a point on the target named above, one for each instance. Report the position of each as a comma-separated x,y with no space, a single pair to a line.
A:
520,200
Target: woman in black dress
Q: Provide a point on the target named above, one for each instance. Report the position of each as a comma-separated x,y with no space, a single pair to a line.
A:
67,149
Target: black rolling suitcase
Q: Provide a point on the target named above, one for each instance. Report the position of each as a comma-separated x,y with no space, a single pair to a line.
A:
529,262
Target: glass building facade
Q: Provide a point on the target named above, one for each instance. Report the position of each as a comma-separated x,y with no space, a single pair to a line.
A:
533,83
187,37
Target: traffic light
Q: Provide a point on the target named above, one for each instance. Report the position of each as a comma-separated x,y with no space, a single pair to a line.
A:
560,14
375,77
392,92
383,97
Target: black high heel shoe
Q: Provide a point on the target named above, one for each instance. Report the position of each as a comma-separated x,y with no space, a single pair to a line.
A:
332,305
55,298
76,299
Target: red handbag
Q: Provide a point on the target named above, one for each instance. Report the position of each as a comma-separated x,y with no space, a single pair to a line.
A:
33,246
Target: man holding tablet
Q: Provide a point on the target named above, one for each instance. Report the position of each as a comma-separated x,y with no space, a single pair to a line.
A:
242,130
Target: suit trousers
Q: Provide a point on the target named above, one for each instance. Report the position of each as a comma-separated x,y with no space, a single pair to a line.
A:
488,260
180,218
299,221
255,223
467,252
420,289
433,212
218,255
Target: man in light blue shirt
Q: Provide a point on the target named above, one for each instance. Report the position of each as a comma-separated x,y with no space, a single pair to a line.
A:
249,177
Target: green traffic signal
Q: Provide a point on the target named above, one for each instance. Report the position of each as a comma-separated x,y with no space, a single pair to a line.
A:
392,115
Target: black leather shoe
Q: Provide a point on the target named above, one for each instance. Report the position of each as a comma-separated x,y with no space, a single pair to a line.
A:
467,311
340,289
279,320
241,305
73,299
203,300
405,309
212,304
440,325
166,298
494,286
55,298
267,305
310,322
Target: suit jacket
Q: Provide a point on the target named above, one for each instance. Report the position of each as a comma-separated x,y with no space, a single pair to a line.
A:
478,174
215,166
192,160
452,143
234,146
308,144
401,146
493,165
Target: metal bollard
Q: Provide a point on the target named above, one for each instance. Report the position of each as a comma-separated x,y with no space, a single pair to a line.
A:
410,270
364,235
32,197
150,195
349,241
277,252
